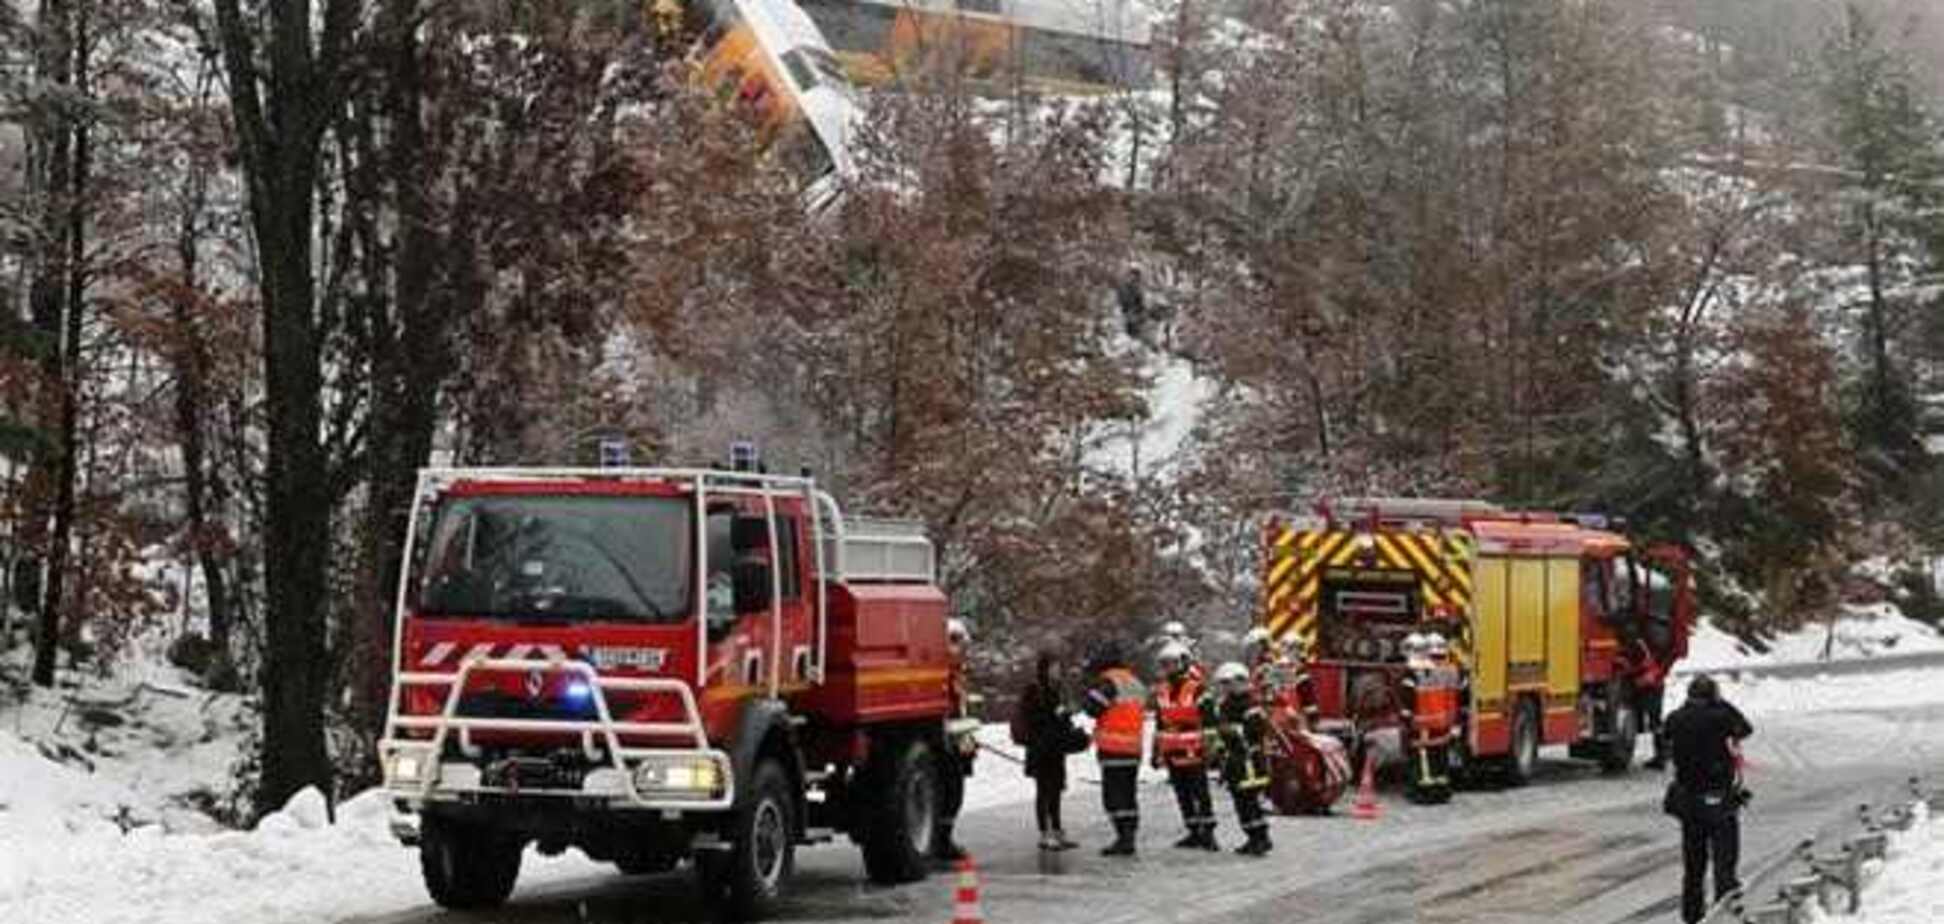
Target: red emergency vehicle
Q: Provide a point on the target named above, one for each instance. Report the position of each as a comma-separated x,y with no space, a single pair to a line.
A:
1545,625
660,666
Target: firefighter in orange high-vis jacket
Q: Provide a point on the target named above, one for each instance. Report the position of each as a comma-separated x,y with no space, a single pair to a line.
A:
1178,743
1117,701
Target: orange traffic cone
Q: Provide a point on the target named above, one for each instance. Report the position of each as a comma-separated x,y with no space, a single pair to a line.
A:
965,905
1366,807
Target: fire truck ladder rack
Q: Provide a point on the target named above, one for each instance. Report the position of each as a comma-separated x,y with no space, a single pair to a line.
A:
609,731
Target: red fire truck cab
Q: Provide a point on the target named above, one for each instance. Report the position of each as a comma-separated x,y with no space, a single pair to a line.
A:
658,666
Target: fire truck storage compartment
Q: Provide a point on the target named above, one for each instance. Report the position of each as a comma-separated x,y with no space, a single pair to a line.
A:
887,657
1363,607
1526,631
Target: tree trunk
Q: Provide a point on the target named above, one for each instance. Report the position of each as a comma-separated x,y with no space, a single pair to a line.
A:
281,139
192,367
407,370
51,289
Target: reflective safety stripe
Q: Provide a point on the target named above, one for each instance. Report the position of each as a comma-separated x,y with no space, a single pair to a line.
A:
1120,762
1117,733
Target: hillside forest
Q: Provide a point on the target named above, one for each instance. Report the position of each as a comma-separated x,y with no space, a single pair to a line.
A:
260,260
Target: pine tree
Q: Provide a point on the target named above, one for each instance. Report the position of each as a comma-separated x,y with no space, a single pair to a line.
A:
1892,185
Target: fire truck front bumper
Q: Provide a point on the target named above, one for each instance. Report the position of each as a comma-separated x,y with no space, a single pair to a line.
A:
641,780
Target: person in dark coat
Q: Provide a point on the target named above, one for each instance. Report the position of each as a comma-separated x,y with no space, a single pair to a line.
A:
1051,736
1237,726
1707,794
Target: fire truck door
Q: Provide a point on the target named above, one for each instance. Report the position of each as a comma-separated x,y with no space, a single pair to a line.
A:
1562,648
1490,605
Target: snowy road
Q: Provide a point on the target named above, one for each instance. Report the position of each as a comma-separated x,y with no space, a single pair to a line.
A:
1574,846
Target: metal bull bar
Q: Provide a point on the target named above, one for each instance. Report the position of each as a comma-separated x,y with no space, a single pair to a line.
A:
431,779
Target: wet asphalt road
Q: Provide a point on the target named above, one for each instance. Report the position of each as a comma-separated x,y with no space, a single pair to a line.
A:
1575,846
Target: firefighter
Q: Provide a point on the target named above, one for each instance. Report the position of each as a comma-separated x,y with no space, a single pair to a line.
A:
1178,743
1117,701
1235,725
1650,680
963,746
1706,793
1175,632
1427,713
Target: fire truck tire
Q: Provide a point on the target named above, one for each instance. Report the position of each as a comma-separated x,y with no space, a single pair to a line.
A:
1619,754
762,848
467,868
1524,759
899,825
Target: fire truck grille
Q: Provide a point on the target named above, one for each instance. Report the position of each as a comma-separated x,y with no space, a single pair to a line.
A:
497,705
532,773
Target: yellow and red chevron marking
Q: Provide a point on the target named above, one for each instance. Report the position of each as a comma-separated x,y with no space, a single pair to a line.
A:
1296,559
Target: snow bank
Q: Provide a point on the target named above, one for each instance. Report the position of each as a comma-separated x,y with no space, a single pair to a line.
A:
1909,888
1757,695
69,860
1865,632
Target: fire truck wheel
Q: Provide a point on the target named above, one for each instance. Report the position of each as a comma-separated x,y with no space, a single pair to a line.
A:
762,848
1524,759
899,828
1626,728
467,868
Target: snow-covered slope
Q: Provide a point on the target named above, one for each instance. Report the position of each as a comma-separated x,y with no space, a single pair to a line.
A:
1175,398
67,860
1866,632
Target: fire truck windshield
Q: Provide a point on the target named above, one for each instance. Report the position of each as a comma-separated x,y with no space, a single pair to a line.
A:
559,558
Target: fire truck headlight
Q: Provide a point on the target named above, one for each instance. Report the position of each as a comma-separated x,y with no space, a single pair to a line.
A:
409,768
696,777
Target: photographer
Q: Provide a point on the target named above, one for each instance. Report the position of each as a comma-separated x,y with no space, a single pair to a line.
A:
1706,793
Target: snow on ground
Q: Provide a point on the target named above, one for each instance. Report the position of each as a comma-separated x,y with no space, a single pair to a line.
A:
1175,397
68,858
1758,696
1909,886
163,744
1865,632
999,776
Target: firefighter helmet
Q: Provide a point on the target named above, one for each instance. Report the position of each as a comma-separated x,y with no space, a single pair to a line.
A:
1173,630
1436,647
956,631
1173,658
1232,677
1414,648
1255,641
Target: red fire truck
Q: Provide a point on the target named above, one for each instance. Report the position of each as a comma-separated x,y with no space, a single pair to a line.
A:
660,665
1550,621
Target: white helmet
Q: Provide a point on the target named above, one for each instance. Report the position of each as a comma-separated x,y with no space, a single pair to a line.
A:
956,632
1414,647
1172,657
1255,640
1435,645
1173,629
1231,676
